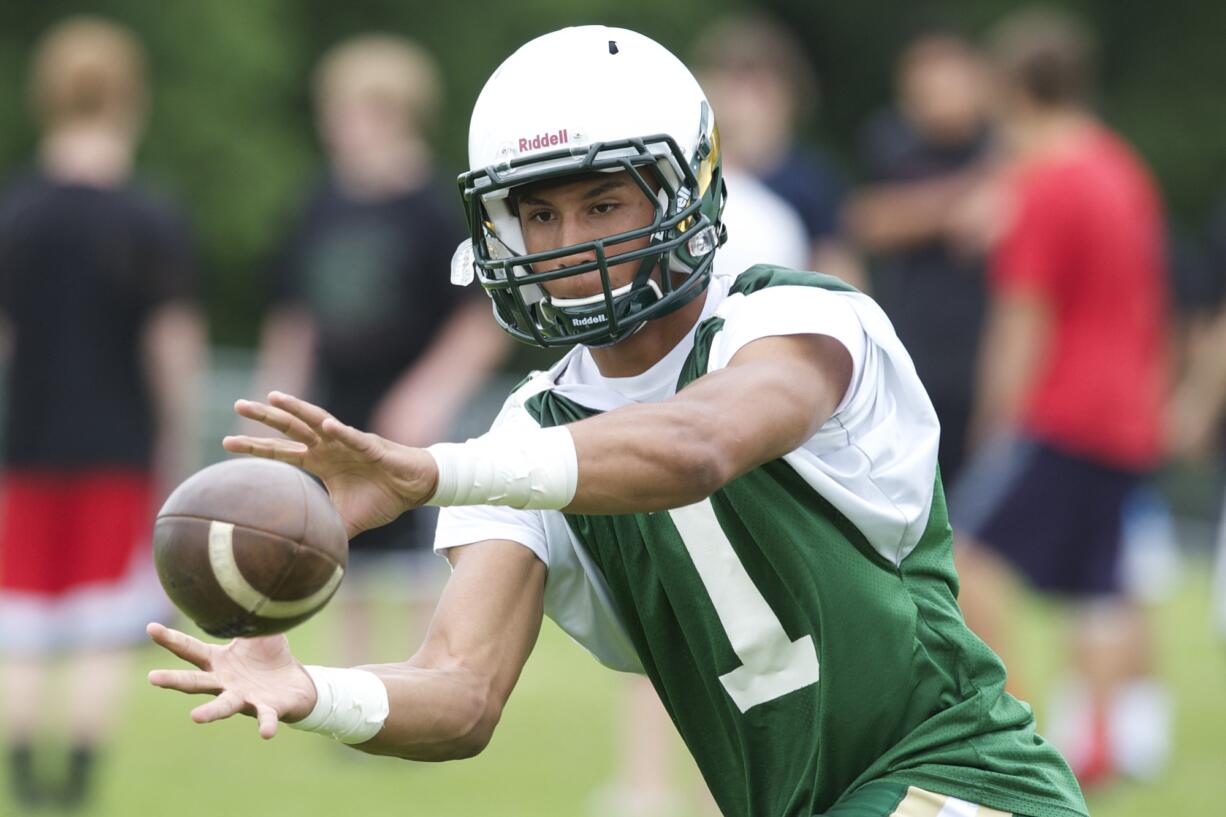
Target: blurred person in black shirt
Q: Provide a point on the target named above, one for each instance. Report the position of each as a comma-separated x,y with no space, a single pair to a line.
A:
924,158
104,347
364,315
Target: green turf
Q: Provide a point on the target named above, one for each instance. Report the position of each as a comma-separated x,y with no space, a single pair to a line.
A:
554,745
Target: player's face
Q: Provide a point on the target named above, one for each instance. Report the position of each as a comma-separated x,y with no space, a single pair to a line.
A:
579,211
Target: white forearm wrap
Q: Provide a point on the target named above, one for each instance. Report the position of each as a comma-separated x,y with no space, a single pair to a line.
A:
537,469
350,704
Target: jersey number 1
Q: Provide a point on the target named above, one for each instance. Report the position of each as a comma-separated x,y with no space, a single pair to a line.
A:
772,665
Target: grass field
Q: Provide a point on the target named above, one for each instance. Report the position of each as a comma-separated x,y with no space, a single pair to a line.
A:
555,742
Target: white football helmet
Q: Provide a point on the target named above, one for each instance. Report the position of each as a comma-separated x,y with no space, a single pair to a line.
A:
587,100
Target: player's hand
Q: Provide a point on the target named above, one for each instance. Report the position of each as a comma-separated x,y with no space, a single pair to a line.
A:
371,480
251,676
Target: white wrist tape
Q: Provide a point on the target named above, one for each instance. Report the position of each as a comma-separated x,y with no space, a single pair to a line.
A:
538,469
350,704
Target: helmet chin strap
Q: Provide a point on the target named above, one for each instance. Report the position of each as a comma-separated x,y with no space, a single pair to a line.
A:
575,315
598,298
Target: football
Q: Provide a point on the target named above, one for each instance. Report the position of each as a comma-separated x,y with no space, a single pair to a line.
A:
249,547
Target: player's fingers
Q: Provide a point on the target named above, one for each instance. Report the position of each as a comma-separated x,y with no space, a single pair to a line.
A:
267,718
363,442
223,706
183,680
267,447
192,650
308,413
276,418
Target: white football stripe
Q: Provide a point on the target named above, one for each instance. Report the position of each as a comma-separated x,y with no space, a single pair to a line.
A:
240,591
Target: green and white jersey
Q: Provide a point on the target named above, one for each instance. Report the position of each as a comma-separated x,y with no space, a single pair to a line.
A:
800,624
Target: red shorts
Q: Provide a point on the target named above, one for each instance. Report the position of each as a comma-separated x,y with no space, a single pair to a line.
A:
63,530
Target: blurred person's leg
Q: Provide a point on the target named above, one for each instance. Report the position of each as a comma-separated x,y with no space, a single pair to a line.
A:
407,584
642,784
1219,582
425,573
1140,716
1127,711
109,595
1061,528
354,606
369,553
24,677
1056,521
392,567
1129,718
96,680
29,528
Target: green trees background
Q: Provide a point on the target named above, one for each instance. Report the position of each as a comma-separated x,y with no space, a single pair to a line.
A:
231,134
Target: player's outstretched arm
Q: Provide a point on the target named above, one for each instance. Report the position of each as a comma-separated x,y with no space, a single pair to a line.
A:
775,394
443,703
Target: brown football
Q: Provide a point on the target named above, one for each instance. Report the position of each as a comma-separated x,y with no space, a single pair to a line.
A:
249,547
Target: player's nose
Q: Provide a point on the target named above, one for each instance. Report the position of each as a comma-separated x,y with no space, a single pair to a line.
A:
572,235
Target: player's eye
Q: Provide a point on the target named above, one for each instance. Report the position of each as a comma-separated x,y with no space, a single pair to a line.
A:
541,216
604,207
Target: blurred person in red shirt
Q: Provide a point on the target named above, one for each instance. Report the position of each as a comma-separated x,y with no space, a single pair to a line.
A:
363,315
1072,385
97,291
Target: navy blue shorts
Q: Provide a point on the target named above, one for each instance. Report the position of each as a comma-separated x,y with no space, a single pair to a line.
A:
1056,517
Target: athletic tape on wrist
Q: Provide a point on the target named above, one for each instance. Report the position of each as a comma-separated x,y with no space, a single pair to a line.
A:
536,470
350,704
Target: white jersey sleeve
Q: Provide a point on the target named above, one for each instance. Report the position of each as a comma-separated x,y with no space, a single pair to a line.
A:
790,310
875,458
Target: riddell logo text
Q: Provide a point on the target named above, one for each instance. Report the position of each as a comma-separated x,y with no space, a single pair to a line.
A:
544,140
588,321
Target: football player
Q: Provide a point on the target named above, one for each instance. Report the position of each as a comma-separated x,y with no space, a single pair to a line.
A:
728,484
